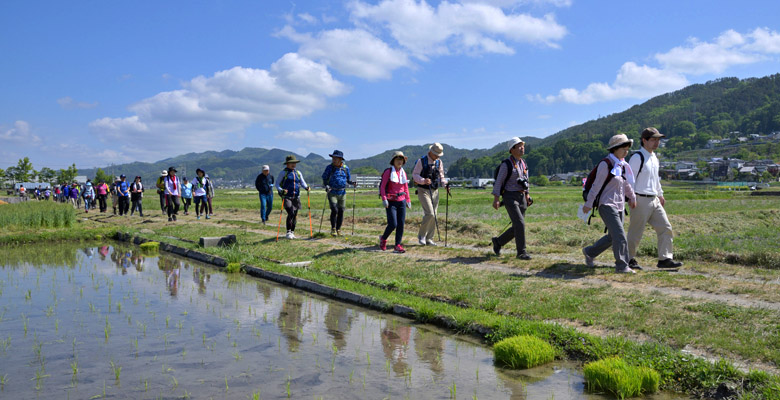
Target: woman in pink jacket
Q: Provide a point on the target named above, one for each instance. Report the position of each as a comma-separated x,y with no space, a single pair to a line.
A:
394,190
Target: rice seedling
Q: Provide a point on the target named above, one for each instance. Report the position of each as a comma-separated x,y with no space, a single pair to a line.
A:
107,329
237,356
174,383
523,352
37,214
256,395
453,390
56,325
24,324
117,370
615,376
368,358
167,320
287,386
226,384
3,379
40,374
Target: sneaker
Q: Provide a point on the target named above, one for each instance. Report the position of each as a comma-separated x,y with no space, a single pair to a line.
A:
625,270
198,217
496,246
141,215
588,259
292,235
634,265
174,217
399,249
333,232
382,243
430,242
208,217
170,219
338,232
289,235
669,263
421,241
524,256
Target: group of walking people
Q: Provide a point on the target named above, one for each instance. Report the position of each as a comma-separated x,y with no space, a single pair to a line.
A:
175,192
617,178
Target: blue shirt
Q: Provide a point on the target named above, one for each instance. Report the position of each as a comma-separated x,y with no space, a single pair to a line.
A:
124,189
186,191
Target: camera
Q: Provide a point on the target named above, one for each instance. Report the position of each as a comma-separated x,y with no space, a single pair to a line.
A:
523,183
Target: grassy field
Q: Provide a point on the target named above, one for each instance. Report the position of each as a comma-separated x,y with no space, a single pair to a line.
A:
724,303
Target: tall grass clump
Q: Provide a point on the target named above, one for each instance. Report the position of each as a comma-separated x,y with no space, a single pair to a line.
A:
150,247
233,268
523,351
37,214
615,376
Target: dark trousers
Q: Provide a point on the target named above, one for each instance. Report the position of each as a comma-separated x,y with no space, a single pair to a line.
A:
337,205
187,201
102,202
515,205
615,237
138,204
124,204
292,205
200,205
172,204
396,216
211,210
162,202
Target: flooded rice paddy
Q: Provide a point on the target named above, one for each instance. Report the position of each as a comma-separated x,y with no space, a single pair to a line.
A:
107,321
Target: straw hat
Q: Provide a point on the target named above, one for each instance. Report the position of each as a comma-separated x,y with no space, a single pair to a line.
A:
437,149
619,140
397,154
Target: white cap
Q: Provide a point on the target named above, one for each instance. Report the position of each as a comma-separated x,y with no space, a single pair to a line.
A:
266,168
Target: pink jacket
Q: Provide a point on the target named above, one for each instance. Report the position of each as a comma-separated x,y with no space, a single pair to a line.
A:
394,191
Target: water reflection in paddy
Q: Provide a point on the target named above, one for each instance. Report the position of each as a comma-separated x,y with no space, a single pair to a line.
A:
170,327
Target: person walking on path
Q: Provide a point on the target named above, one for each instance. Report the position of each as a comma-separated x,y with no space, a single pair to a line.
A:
210,195
186,194
114,189
335,179
74,195
161,189
649,203
199,190
428,174
172,194
511,185
65,193
123,194
614,181
89,195
137,196
101,192
289,184
394,191
264,183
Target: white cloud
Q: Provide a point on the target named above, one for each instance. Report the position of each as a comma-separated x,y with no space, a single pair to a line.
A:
20,133
211,112
68,103
309,139
633,81
351,52
453,28
729,49
516,3
308,18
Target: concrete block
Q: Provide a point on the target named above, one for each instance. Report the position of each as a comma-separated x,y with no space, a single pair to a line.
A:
217,241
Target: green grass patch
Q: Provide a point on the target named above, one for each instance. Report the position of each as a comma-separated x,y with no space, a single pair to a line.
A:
523,352
150,247
615,376
37,214
233,268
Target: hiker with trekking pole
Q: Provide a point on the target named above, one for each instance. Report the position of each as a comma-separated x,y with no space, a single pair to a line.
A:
288,185
428,175
394,191
511,186
335,179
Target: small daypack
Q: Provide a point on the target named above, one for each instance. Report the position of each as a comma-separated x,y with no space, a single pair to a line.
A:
641,161
379,191
508,172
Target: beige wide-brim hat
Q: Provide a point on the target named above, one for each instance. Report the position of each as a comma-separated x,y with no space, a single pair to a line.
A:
619,140
514,141
437,149
164,172
396,155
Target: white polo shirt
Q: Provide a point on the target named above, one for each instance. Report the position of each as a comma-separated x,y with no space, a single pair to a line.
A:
648,181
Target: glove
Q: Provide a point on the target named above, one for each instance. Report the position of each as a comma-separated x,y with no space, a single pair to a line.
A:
409,205
385,203
353,183
327,188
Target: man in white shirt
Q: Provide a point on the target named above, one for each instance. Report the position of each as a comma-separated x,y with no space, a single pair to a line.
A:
650,202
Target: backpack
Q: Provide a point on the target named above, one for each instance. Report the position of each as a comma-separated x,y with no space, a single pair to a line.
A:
284,179
434,182
379,189
509,167
641,161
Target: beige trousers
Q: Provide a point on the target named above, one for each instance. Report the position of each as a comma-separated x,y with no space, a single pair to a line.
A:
429,205
649,210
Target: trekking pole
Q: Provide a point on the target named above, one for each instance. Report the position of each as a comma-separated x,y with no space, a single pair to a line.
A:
281,211
354,195
323,211
435,218
308,200
446,217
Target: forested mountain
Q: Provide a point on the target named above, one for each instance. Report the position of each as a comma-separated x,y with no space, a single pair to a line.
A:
689,117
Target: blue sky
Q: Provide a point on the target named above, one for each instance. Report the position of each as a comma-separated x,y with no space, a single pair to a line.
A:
101,82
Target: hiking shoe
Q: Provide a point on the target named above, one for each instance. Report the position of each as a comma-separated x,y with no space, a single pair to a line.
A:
338,232
208,217
496,246
634,265
198,217
625,270
333,232
421,241
174,217
430,242
289,235
669,263
588,259
524,256
382,243
170,219
399,249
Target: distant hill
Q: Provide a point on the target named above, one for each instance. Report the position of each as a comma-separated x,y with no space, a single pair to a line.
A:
689,117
